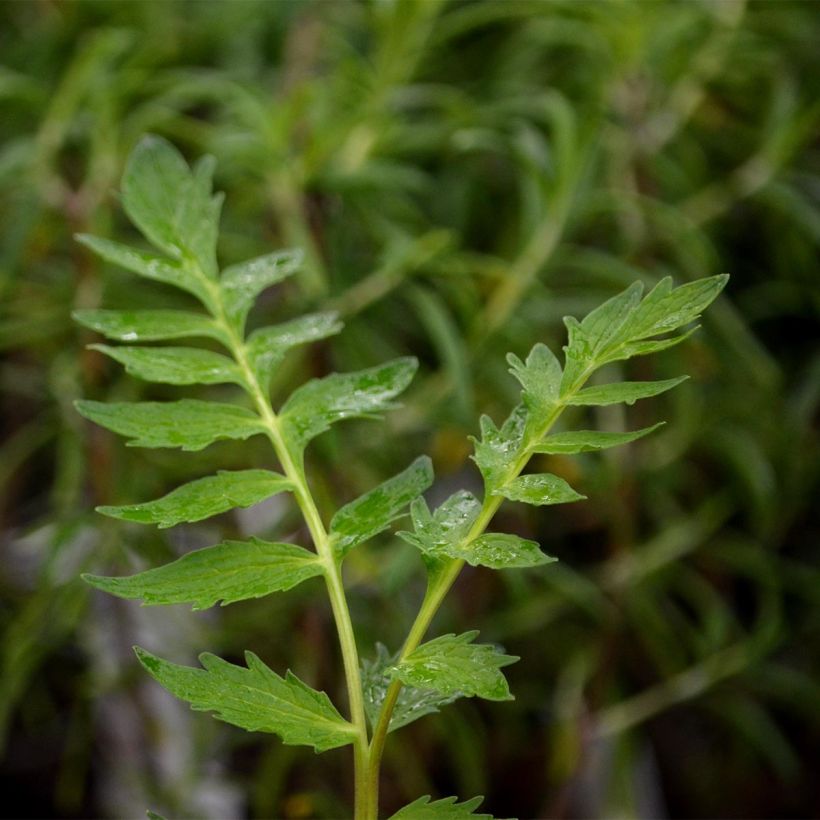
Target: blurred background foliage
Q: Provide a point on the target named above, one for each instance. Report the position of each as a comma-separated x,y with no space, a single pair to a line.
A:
461,176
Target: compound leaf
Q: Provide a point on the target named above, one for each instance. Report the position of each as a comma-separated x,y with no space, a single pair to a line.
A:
445,809
203,498
268,345
147,325
628,392
584,441
256,699
228,572
175,365
413,702
373,512
314,406
190,424
242,283
539,489
452,663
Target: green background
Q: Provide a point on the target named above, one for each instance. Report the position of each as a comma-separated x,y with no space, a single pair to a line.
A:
461,175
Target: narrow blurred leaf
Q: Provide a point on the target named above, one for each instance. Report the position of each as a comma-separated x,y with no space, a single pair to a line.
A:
189,424
256,699
373,512
452,663
628,392
313,407
147,325
228,572
584,441
445,809
203,498
175,365
539,489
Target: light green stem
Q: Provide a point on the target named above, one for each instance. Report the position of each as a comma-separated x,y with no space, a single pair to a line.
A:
332,567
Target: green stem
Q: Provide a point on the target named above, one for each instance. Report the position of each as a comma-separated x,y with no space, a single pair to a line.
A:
332,567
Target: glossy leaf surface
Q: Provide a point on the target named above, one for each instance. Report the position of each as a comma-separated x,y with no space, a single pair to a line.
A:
147,325
453,663
373,512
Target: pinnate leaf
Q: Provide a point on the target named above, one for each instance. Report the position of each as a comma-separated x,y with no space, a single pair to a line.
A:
242,283
203,498
256,699
628,392
190,424
453,663
584,441
539,489
373,512
147,325
413,702
228,572
268,345
313,407
445,809
175,365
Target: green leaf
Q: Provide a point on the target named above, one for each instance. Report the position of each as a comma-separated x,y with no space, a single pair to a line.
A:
452,663
628,350
445,809
170,204
148,265
203,498
598,330
228,572
256,699
268,345
498,450
412,703
666,309
189,424
152,815
313,407
147,325
584,441
628,392
502,551
539,489
540,378
175,365
442,533
242,283
373,512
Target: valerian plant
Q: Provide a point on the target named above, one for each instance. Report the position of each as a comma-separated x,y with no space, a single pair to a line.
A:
175,209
